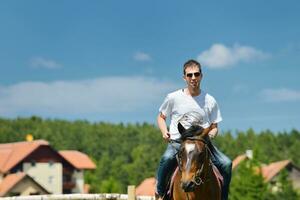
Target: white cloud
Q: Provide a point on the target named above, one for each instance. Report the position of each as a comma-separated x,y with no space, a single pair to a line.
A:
221,56
141,56
279,95
101,95
39,62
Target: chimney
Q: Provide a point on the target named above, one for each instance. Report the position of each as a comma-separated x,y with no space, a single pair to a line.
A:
249,154
29,137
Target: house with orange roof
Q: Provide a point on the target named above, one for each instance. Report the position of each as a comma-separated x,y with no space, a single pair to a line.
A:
271,172
240,158
54,171
146,188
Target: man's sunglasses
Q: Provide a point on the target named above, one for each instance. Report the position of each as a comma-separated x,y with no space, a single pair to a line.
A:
190,75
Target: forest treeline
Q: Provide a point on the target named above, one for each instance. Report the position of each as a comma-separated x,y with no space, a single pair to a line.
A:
126,154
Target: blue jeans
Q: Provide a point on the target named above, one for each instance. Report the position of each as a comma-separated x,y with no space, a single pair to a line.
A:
168,164
224,165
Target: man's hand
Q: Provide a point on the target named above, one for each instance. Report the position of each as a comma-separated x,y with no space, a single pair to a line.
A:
213,132
166,136
161,121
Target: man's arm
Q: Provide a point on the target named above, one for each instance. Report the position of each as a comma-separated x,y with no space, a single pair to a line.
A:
162,125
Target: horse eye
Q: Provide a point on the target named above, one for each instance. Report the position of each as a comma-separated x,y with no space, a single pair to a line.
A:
180,152
200,153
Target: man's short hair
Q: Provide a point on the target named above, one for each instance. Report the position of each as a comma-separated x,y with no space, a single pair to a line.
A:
191,63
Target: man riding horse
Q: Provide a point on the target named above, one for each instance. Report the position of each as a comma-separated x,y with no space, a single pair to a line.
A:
189,100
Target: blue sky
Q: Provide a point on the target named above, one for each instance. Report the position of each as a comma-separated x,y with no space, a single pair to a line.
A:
115,61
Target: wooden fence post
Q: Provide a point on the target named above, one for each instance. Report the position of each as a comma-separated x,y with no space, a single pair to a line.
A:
131,192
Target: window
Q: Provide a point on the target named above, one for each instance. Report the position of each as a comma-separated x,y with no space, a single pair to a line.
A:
14,194
50,163
50,179
33,163
34,193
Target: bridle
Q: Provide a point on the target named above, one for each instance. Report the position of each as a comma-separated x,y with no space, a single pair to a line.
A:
201,176
197,180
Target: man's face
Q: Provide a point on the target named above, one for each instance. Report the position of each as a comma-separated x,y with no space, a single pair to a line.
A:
192,76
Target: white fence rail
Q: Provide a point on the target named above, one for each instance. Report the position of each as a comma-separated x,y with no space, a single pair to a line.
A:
130,196
78,197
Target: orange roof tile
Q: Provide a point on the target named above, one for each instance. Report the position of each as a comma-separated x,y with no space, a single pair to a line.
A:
147,187
78,159
238,160
9,182
12,153
13,179
271,170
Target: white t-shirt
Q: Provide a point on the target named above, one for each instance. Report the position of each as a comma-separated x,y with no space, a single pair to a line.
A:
177,103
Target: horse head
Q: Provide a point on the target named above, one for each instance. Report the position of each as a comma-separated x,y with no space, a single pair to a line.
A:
193,156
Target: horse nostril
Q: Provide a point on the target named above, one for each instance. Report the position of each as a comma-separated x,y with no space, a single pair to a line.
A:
188,186
183,185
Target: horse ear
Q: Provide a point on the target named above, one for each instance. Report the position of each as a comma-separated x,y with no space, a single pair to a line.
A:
181,129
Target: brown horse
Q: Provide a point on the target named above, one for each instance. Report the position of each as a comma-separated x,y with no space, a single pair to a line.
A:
195,179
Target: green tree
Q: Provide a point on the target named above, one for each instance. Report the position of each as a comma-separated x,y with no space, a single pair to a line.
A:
247,183
284,188
128,153
110,185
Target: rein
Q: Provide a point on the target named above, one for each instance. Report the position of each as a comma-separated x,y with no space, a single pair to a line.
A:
197,180
197,176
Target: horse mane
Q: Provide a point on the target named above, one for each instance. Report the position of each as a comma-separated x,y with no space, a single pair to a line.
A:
194,130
